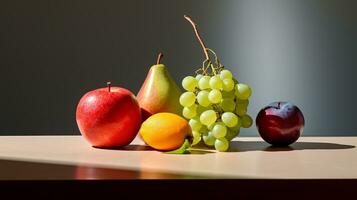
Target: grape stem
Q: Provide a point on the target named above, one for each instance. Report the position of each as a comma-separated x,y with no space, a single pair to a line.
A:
198,35
215,55
159,57
213,70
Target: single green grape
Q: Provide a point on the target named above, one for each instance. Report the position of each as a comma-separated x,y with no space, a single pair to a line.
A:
190,112
243,91
189,83
215,96
219,130
215,83
231,134
221,144
187,99
201,109
196,137
247,121
195,124
229,119
237,127
203,83
198,77
225,74
227,105
204,130
242,102
228,85
241,107
202,98
240,110
228,95
209,139
208,117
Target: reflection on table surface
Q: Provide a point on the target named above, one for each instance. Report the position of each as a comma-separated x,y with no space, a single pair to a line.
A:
23,170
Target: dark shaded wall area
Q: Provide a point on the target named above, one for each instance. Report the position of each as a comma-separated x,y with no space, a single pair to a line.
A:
52,52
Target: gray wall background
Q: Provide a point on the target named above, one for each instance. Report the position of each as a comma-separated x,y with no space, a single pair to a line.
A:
52,52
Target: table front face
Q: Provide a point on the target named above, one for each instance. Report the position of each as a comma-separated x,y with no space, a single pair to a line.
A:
71,157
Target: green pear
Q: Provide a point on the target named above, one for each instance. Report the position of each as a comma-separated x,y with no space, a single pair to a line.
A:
159,92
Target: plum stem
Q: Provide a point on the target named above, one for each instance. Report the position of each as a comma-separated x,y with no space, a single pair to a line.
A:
109,84
159,57
198,36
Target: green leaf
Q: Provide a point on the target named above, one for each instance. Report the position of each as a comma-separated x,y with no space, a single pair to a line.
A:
183,149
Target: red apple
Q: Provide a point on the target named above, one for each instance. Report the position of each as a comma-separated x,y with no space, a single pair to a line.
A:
109,117
280,123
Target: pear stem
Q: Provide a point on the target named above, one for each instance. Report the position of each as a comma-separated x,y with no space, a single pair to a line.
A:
159,57
197,35
109,84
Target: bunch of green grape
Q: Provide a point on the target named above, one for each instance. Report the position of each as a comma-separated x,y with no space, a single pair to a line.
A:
216,106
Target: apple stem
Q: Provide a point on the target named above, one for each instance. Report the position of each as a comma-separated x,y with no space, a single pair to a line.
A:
198,36
109,84
159,57
279,105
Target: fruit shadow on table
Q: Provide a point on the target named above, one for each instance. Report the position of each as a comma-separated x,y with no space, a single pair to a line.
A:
243,146
136,147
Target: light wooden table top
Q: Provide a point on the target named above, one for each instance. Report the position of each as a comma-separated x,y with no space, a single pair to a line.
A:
71,157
